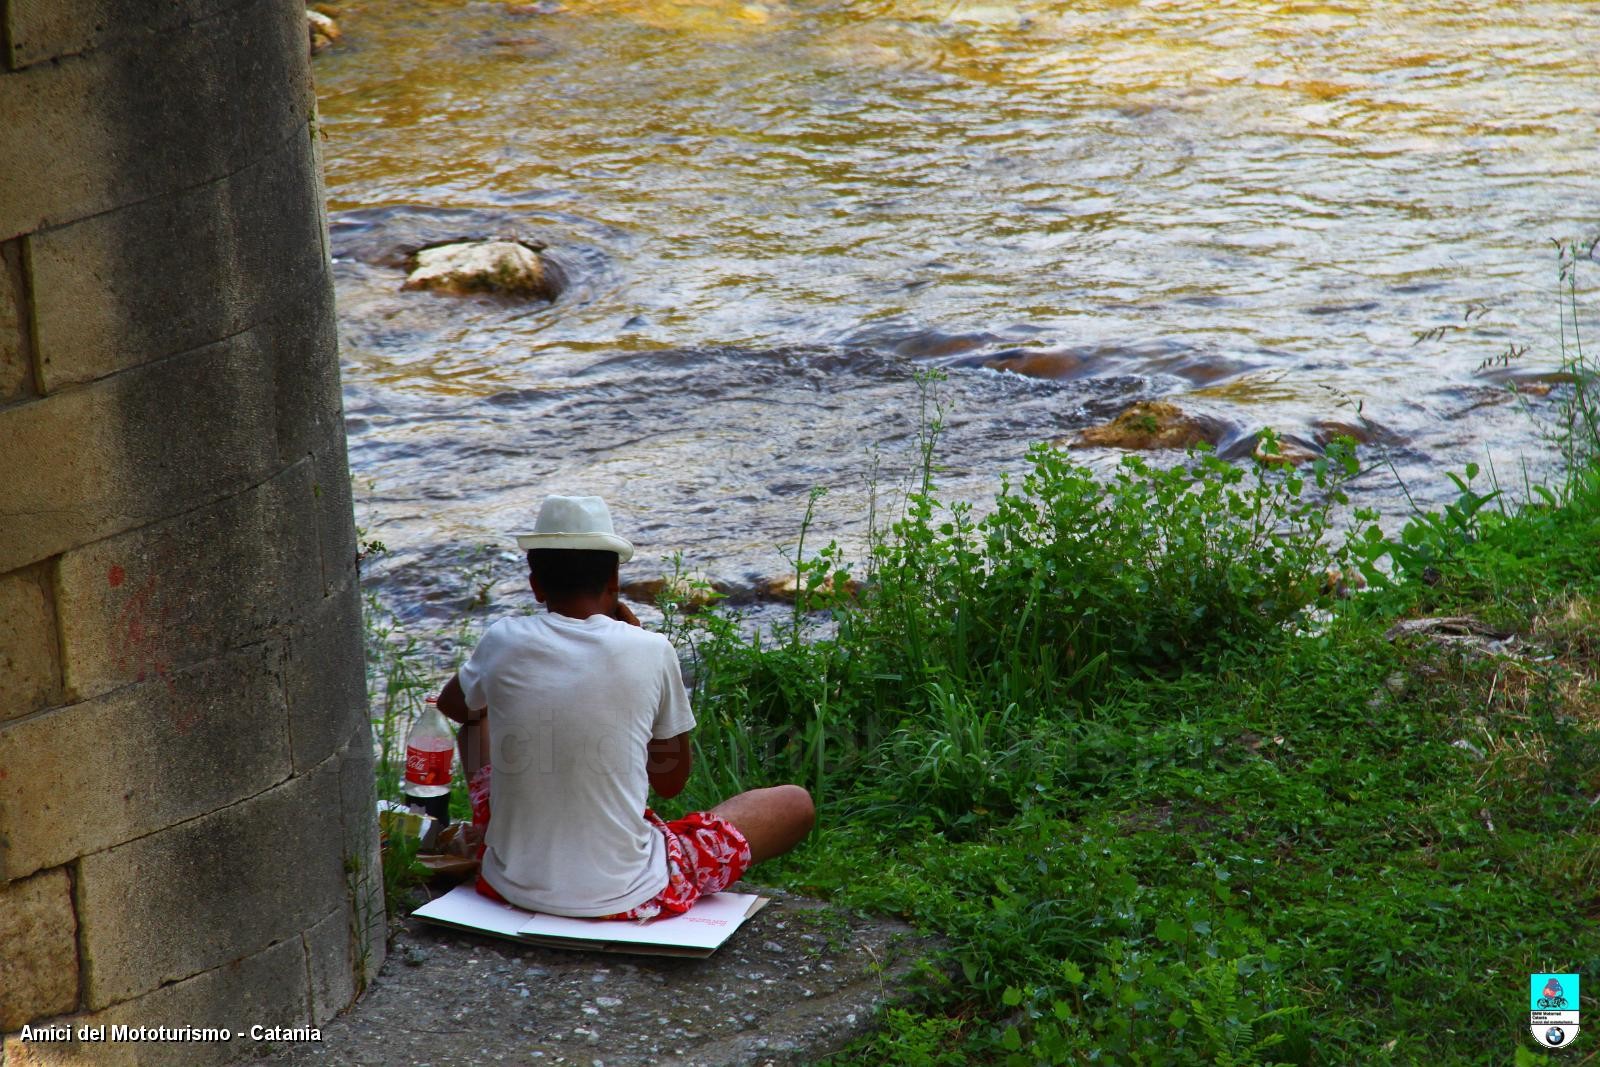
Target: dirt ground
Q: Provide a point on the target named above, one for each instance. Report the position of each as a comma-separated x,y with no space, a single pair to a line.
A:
796,982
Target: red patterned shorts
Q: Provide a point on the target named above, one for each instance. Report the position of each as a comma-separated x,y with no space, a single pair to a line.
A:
705,854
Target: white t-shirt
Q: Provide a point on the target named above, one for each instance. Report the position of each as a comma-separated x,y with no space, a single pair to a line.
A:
572,705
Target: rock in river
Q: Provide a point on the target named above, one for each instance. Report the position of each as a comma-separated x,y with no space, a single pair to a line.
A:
690,593
787,588
324,31
508,267
1284,452
1151,424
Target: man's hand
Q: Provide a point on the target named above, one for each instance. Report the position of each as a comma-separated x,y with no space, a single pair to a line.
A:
625,614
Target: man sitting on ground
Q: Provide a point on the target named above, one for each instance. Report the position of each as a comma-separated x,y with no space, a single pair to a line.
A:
584,712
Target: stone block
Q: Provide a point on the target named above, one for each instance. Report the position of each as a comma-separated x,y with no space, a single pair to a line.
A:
134,449
358,800
154,111
358,797
38,949
16,361
310,414
336,975
304,348
30,661
268,989
336,518
37,30
88,776
213,889
184,590
325,679
173,273
64,471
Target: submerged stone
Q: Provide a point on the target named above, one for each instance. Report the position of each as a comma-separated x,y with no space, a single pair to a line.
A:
1286,452
690,592
787,588
1362,432
1151,424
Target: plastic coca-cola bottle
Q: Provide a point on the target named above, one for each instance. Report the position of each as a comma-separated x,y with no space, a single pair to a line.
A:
430,749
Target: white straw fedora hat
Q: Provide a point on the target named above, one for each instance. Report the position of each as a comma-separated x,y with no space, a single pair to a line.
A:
575,522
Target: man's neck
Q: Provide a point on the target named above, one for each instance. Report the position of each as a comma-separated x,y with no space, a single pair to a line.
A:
582,607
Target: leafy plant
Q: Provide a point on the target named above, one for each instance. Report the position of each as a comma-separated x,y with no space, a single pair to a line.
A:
401,872
1433,537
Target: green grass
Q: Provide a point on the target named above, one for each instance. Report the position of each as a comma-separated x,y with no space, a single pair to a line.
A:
1248,846
1167,798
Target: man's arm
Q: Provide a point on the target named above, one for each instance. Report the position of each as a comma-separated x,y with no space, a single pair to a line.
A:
453,703
473,737
667,764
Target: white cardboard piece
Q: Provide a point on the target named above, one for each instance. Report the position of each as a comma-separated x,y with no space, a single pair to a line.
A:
700,931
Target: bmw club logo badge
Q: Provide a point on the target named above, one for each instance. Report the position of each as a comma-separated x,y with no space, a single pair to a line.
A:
1553,1010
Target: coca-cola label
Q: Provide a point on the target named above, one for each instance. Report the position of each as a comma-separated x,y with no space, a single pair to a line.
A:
428,768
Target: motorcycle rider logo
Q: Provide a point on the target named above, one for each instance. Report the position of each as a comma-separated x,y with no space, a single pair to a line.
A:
1553,997
1553,1003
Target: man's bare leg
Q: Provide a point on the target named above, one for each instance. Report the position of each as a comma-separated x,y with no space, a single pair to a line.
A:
773,820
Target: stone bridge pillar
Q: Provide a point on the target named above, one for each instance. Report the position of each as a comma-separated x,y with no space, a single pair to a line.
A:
186,819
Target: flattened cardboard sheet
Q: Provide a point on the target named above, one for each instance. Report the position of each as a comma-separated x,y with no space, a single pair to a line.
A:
700,931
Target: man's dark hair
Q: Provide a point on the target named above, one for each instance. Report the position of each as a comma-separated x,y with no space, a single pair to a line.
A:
565,572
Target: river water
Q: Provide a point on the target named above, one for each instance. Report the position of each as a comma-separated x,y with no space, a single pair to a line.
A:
772,215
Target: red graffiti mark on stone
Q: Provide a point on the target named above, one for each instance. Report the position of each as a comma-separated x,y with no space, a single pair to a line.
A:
150,630
142,625
137,637
185,714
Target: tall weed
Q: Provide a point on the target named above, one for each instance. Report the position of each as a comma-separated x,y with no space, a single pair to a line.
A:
977,636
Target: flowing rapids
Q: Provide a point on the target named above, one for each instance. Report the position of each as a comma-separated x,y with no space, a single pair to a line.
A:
1314,216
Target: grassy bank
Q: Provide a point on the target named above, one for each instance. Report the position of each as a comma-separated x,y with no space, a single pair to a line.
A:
1260,844
1171,793
1168,794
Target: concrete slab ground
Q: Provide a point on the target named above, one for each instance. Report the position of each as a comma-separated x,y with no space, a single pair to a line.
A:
798,981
